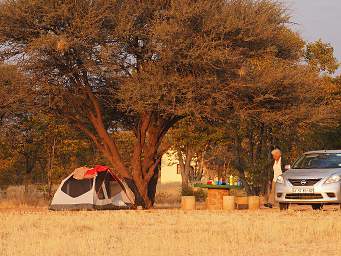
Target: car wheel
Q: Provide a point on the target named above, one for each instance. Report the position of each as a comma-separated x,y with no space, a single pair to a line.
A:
317,206
283,206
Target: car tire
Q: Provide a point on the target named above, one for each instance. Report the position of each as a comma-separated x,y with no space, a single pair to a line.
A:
283,206
317,206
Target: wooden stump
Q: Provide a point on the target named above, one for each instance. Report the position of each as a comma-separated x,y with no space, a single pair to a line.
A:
228,203
253,202
215,198
242,202
188,202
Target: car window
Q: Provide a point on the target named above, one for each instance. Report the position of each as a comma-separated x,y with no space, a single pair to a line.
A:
318,161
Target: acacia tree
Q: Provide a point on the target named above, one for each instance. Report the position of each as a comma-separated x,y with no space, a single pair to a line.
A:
285,100
14,92
279,100
116,65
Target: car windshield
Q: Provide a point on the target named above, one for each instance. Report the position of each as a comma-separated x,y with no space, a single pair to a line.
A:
318,161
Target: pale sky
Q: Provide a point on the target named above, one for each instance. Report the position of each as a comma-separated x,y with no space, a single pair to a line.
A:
318,19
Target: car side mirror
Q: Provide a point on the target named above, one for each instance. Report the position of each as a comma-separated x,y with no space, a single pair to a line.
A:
287,167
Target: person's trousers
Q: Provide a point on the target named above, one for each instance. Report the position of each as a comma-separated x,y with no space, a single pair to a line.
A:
270,193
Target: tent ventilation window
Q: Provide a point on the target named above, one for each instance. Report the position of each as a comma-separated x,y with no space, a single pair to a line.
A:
76,188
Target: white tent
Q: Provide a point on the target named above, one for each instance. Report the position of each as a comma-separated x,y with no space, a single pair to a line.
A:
99,190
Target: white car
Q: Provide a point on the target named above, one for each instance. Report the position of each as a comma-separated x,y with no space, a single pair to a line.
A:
314,179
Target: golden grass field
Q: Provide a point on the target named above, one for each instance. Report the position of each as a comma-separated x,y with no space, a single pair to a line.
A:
28,228
36,231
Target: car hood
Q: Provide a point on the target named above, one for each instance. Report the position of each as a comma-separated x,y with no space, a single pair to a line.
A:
311,173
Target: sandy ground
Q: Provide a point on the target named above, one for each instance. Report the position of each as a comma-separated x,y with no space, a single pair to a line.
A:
299,231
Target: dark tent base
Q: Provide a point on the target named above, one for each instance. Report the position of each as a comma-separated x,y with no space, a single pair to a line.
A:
87,207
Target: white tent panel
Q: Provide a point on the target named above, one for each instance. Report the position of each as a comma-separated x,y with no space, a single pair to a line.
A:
110,197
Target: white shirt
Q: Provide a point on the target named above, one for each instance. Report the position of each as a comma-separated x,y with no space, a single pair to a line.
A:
277,169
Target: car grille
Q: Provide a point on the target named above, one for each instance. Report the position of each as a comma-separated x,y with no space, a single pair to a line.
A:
303,196
308,182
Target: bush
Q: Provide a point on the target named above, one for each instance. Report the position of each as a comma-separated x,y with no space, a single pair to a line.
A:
187,191
200,194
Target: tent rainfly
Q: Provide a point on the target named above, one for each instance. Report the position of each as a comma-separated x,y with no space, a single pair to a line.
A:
92,189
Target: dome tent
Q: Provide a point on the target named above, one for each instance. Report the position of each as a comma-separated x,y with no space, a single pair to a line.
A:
92,189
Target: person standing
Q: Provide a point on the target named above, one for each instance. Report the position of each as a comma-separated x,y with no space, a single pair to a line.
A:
278,167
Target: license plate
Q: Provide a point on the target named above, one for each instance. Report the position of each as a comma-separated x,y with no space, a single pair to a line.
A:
302,190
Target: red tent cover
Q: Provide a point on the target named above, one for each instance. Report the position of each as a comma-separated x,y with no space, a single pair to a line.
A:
96,169
102,168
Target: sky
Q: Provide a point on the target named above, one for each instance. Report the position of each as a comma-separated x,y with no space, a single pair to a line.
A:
318,19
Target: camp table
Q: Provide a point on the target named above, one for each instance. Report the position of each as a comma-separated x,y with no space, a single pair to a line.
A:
215,194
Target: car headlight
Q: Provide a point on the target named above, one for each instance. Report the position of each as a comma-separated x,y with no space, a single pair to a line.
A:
332,179
280,179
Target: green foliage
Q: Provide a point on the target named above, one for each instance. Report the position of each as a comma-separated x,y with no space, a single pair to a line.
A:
320,55
31,152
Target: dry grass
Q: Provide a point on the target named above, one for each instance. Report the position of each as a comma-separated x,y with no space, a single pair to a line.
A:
27,228
170,232
17,196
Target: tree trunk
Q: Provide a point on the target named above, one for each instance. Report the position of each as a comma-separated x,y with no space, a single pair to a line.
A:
200,165
260,145
153,184
239,161
50,166
250,134
188,160
30,160
184,179
139,200
142,174
185,165
140,197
